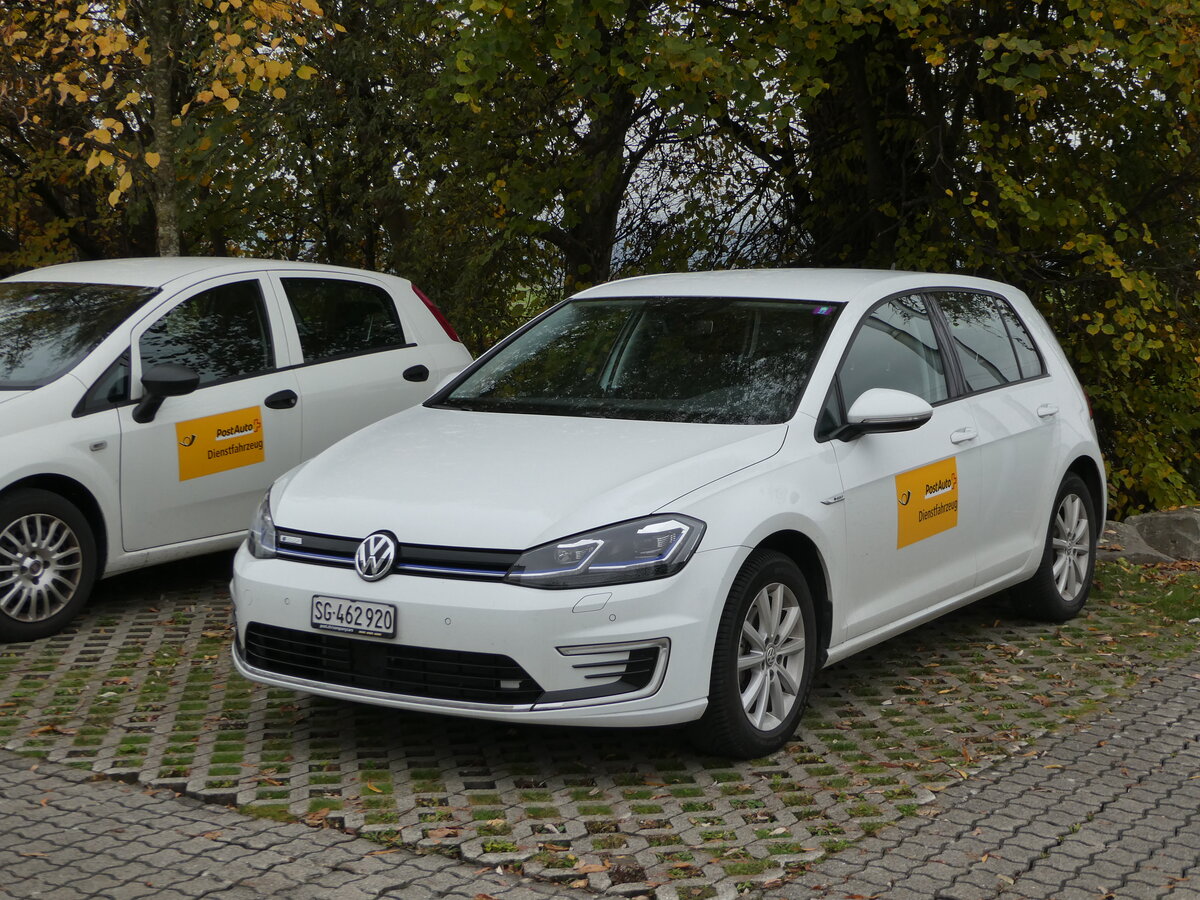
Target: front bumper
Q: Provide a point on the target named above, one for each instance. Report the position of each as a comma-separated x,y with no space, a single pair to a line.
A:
624,655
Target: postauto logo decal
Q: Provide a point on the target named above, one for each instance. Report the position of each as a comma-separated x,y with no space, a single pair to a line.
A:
218,443
926,501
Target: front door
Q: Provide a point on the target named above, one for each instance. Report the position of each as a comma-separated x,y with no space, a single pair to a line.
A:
201,466
912,499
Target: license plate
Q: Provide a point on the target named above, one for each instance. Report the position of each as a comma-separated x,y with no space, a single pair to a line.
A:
354,616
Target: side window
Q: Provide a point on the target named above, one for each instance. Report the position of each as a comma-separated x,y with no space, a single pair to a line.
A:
983,340
221,333
1028,358
895,348
336,317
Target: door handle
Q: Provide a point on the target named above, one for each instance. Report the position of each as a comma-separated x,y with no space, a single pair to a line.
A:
285,399
963,435
1046,410
416,373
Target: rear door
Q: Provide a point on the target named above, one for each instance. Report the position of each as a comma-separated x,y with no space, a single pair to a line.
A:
200,467
359,358
1014,404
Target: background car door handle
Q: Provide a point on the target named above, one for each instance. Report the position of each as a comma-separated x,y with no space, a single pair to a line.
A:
963,435
1046,410
281,400
416,373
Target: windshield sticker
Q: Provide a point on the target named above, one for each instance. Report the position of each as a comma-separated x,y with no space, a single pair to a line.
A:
218,443
926,501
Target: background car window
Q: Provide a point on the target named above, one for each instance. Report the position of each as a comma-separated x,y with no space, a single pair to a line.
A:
336,317
895,348
48,327
980,340
220,333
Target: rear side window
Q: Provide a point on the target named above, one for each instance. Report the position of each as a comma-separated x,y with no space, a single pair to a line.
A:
896,347
986,334
221,333
336,317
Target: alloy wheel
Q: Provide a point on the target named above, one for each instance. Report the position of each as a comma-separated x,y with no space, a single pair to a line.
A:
41,565
771,656
1072,545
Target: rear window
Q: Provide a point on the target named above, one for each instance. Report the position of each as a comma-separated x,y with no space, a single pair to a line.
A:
46,328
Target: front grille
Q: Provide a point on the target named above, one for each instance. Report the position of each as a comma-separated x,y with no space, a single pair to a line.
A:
411,559
390,668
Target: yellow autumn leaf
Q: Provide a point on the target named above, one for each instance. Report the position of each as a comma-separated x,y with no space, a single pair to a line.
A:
234,40
278,93
231,104
93,161
102,136
306,72
113,198
152,159
219,90
126,182
106,158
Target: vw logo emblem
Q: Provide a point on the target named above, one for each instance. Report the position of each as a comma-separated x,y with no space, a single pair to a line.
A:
375,556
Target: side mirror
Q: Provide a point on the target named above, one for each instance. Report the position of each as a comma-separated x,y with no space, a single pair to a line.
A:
162,381
881,410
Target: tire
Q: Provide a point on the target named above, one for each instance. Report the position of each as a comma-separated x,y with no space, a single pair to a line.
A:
769,625
1059,588
47,564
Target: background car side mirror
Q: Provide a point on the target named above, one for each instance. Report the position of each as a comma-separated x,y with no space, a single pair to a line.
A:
162,381
882,410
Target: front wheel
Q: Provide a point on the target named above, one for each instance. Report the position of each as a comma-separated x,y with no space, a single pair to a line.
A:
763,661
1059,588
47,564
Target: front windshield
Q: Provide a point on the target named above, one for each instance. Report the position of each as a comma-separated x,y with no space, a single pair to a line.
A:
48,327
683,359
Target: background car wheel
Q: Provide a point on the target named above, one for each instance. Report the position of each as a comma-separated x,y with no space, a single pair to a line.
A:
1059,588
47,564
763,661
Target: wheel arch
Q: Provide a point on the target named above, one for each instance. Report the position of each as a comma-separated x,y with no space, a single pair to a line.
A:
83,500
800,548
1085,467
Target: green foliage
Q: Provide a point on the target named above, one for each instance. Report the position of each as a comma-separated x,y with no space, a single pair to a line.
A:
504,152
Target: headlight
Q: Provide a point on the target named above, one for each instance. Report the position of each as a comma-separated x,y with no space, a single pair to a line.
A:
639,550
260,541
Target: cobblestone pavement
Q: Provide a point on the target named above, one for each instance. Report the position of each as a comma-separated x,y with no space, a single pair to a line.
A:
65,835
141,690
1109,810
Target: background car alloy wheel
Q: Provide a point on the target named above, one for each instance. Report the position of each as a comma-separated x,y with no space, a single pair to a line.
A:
1059,588
763,660
47,564
771,656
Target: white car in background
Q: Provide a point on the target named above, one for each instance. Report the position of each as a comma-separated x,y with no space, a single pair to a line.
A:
146,404
671,498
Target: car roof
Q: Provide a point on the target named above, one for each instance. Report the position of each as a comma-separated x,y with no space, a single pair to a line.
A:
154,271
852,286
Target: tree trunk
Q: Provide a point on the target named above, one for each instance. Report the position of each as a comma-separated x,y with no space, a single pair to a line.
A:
164,193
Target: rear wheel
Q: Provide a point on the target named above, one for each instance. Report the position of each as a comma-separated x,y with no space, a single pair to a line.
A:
1060,587
47,564
763,661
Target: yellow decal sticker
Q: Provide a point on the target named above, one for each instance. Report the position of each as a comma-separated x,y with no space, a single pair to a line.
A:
926,501
219,443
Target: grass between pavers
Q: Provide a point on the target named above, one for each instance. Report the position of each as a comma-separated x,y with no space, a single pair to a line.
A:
142,689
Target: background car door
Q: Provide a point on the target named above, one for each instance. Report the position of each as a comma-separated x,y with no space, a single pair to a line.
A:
1016,413
355,350
200,467
912,499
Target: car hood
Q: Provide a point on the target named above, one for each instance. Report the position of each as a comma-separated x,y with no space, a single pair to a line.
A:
504,481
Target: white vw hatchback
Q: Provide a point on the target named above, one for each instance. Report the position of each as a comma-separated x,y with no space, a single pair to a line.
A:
670,499
146,404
